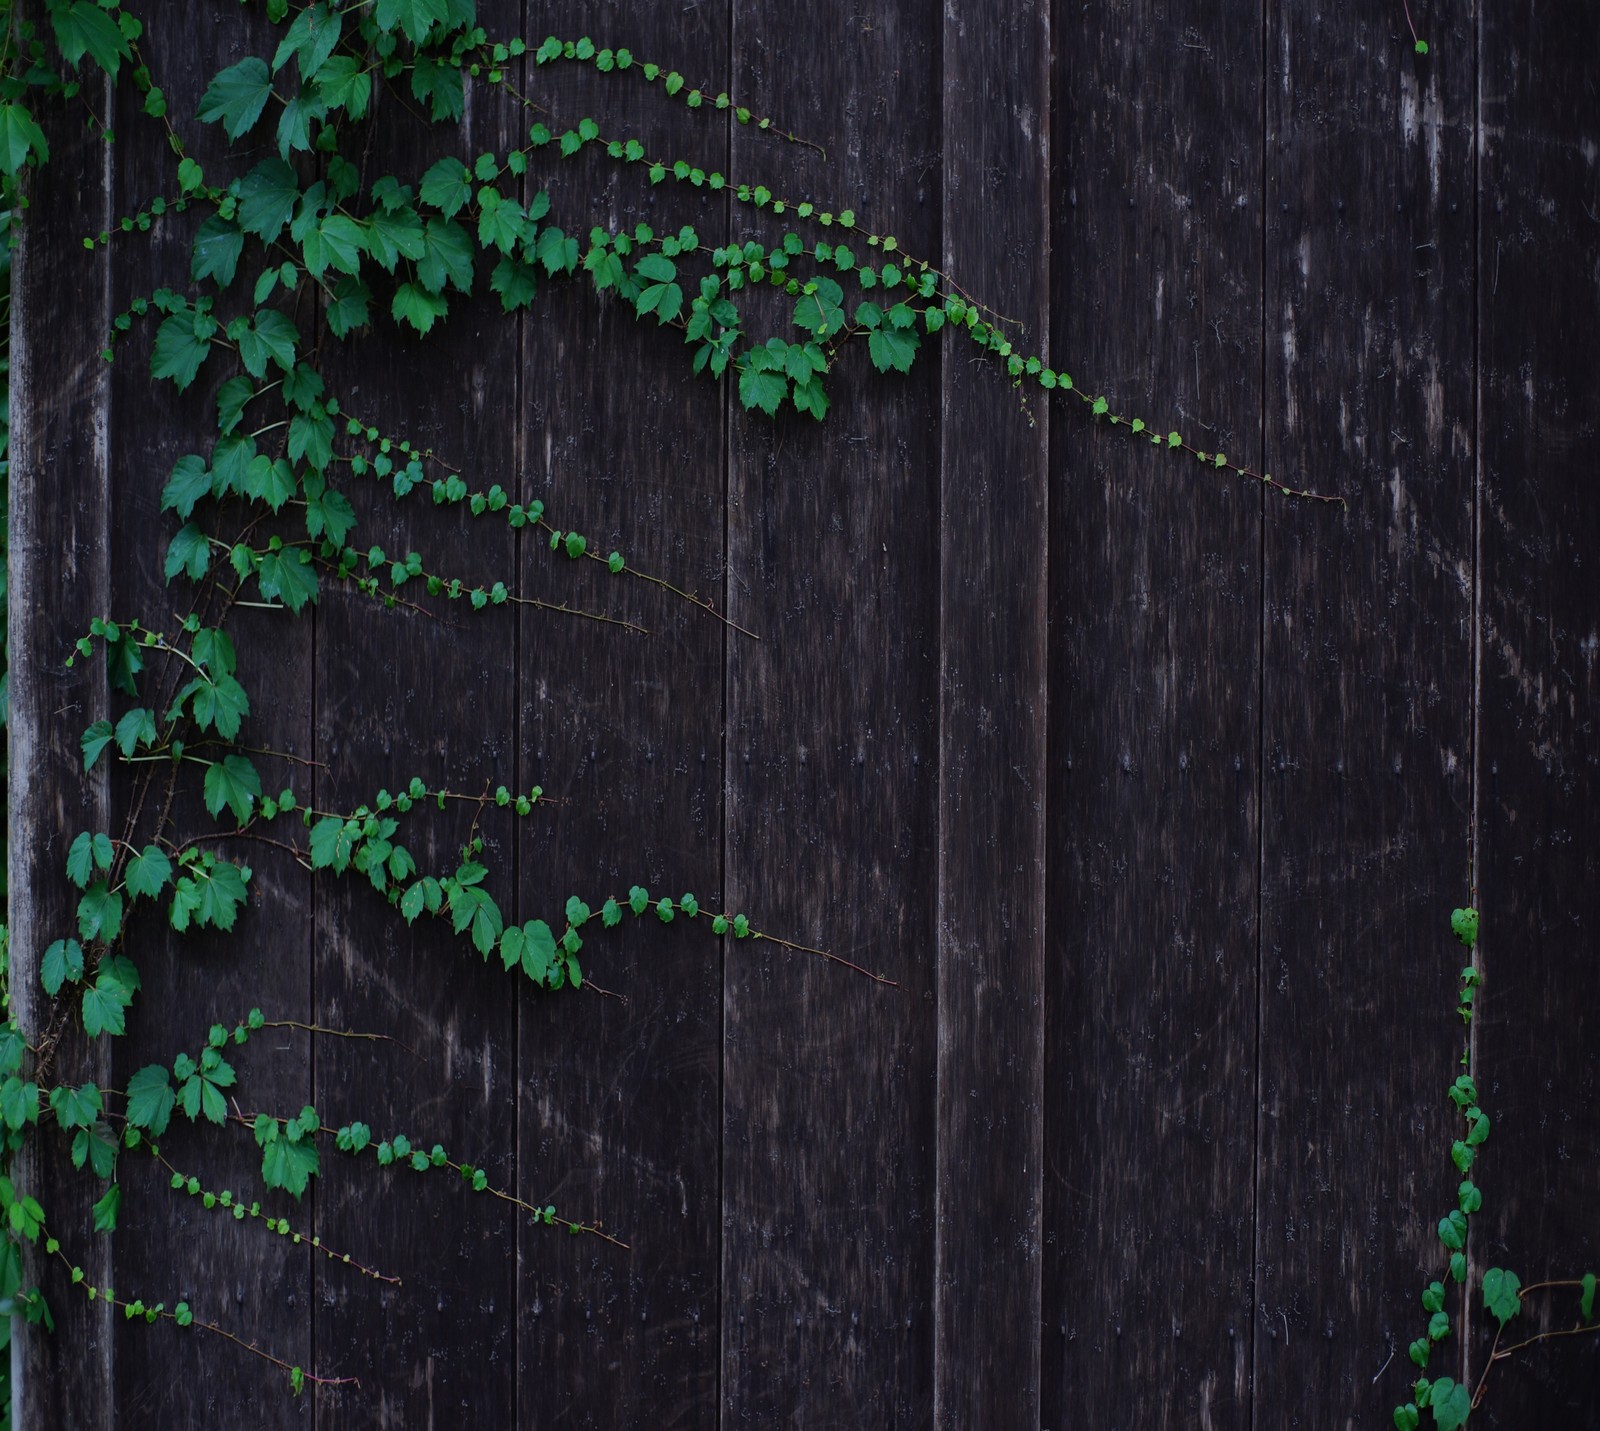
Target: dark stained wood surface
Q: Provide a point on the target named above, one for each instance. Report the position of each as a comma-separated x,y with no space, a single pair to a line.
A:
993,709
59,578
619,1096
1152,790
832,745
1367,697
403,694
169,1245
1154,706
1538,305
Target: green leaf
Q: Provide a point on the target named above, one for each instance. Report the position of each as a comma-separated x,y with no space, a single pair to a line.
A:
810,396
20,136
97,1146
447,186
220,704
638,899
418,307
99,914
446,258
19,1103
1453,1230
267,198
610,914
415,17
93,742
75,1107
1501,1295
1464,925
288,576
557,252
103,1006
892,348
63,961
179,347
85,28
328,512
393,234
289,1165
233,783
820,313
310,40
332,843
501,225
271,336
515,281
311,438
1451,1403
237,96
190,482
339,242
1586,1300
762,389
189,552
106,1208
216,251
147,873
80,860
344,83
538,950
349,308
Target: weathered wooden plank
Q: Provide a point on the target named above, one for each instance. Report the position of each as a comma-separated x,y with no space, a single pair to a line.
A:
59,578
1539,801
1366,707
169,1247
832,765
619,1096
993,510
1150,1055
402,694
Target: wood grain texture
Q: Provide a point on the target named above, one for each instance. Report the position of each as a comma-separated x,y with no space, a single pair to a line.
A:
402,694
169,1246
1367,696
1150,1068
59,577
832,768
1539,802
617,1116
993,510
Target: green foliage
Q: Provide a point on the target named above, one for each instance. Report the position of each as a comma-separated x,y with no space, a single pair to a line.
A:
262,516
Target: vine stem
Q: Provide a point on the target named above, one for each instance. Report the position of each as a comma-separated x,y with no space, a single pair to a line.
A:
1499,1353
1415,39
314,1243
824,954
211,1327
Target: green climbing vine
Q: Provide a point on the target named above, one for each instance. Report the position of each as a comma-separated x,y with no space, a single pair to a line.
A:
302,243
1451,1401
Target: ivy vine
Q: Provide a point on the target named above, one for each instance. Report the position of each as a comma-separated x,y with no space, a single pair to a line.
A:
300,242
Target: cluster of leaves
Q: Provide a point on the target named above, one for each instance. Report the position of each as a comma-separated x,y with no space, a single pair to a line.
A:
302,241
1451,1402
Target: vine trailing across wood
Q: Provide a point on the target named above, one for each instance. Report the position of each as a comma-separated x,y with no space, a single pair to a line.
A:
291,257
301,247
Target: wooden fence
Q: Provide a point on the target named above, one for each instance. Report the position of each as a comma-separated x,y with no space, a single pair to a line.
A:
1152,791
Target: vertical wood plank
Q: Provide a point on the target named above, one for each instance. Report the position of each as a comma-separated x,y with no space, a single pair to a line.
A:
1367,670
619,1096
1539,804
832,765
993,510
59,578
401,694
169,1247
1155,587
